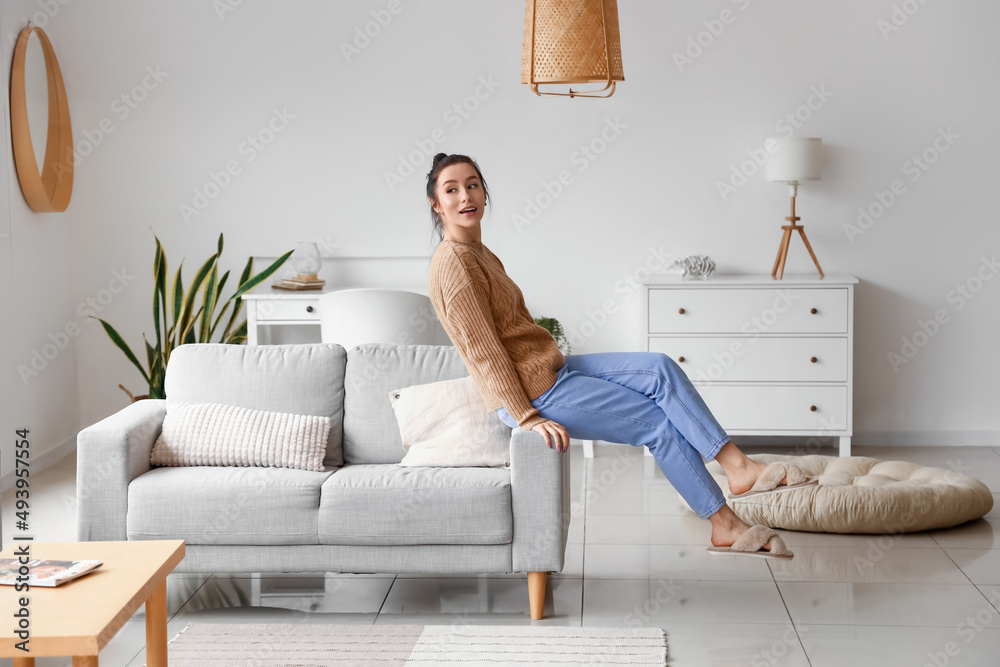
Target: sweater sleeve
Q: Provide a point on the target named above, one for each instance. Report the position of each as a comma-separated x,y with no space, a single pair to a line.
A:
469,314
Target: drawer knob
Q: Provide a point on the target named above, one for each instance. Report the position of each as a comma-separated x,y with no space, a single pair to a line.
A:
813,359
309,309
681,311
680,359
812,408
813,311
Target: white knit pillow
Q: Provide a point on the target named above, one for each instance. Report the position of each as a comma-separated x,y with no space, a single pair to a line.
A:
210,434
446,424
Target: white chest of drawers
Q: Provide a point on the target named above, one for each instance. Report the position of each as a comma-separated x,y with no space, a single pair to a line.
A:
769,357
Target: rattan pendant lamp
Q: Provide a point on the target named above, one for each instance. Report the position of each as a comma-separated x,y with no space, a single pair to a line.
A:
571,42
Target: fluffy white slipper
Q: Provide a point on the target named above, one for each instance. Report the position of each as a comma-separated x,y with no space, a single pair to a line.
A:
769,480
751,543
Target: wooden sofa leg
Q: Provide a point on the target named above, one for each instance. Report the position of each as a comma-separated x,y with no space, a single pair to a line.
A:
536,594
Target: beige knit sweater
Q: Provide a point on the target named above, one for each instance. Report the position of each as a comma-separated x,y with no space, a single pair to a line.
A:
511,359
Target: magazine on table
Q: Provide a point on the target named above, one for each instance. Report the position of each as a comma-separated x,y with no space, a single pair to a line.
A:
44,572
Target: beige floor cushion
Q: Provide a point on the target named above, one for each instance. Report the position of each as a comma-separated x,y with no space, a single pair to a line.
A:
857,494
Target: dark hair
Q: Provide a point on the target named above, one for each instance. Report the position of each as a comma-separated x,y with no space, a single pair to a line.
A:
442,160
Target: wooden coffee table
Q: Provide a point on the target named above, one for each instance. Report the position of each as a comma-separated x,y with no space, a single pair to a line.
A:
81,616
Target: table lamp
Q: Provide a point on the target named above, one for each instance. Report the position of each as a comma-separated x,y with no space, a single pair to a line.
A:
794,160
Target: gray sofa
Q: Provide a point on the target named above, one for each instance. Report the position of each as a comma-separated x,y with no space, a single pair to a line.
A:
364,514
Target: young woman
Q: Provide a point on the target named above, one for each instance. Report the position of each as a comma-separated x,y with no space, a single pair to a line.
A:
639,398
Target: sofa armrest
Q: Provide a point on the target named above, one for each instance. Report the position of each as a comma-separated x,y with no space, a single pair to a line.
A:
540,498
110,454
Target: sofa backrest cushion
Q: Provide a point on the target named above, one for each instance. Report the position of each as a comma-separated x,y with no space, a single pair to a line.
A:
305,379
371,433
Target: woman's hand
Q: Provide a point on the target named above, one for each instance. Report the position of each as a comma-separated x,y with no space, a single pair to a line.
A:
552,431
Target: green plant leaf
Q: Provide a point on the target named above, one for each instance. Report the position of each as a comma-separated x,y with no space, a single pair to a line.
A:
239,336
157,267
122,345
150,353
186,334
155,370
262,276
225,307
187,319
161,289
222,312
177,297
156,374
222,282
208,305
236,301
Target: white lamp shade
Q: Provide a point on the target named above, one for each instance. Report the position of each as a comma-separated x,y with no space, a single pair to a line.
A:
795,160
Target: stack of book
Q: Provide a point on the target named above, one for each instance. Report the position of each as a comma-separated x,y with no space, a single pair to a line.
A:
299,283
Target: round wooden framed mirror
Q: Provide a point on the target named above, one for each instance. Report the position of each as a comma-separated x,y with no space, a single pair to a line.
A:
36,85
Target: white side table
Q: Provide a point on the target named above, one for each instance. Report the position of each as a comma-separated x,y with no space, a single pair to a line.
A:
267,306
770,357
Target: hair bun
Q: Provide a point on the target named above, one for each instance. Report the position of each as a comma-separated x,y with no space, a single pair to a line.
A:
438,158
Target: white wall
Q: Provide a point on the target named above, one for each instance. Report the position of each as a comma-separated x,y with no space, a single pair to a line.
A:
681,131
38,282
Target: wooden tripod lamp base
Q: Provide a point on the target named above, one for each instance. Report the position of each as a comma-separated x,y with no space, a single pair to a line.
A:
779,262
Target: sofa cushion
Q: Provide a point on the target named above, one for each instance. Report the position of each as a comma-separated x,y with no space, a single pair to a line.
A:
225,506
212,434
447,424
387,504
304,378
371,433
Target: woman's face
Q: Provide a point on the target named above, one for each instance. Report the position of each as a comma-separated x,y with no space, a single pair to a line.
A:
460,199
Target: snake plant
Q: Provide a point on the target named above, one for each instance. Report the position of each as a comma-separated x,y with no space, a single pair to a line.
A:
189,325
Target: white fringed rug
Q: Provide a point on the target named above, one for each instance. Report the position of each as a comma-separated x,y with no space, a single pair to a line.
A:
291,645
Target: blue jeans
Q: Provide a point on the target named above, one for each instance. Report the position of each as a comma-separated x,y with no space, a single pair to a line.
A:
639,398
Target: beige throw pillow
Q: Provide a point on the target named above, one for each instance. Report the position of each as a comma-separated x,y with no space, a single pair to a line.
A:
210,434
446,424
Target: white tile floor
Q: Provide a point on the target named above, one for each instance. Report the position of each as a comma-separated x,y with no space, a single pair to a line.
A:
637,557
